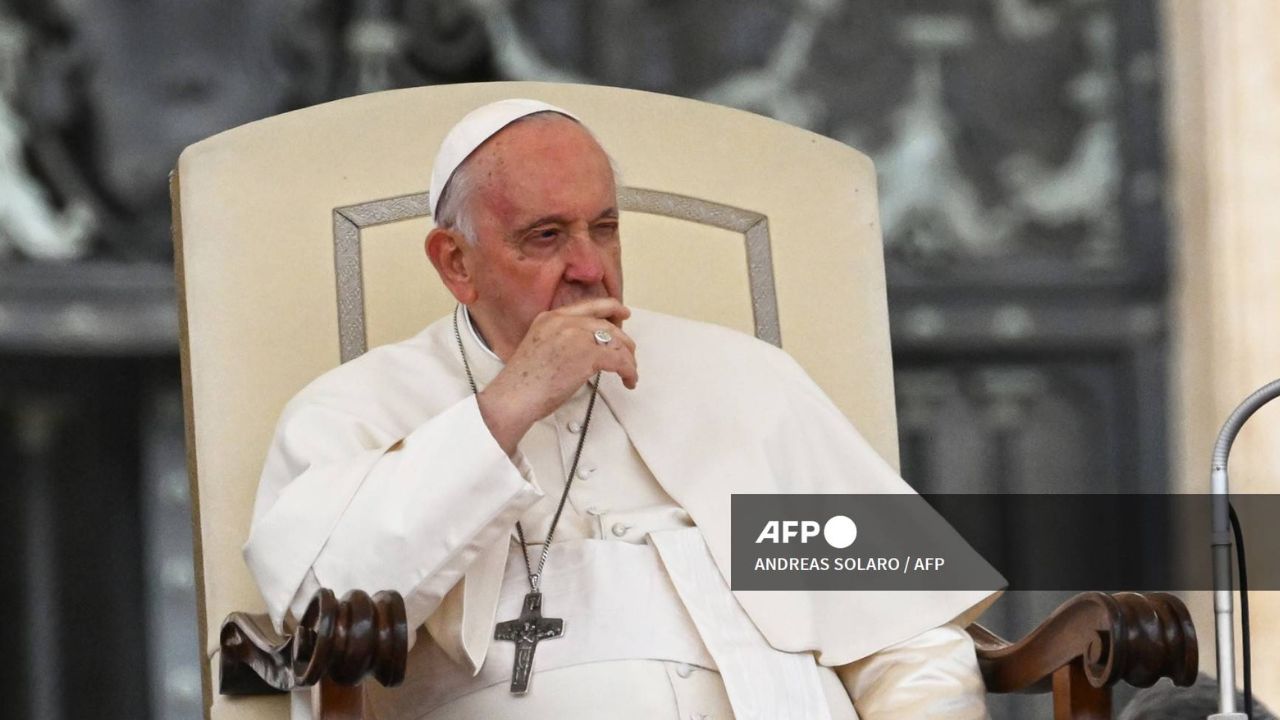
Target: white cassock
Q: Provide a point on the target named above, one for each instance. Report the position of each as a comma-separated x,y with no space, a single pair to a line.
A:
383,476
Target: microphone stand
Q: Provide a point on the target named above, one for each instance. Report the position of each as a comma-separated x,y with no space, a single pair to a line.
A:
1223,611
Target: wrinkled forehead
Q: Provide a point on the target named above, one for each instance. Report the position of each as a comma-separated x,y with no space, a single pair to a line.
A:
543,168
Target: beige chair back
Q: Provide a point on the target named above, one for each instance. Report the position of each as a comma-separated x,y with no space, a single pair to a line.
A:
299,244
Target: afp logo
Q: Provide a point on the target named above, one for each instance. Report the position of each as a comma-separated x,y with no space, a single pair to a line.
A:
840,531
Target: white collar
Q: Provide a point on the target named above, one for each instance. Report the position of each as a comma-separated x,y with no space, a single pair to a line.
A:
475,335
484,364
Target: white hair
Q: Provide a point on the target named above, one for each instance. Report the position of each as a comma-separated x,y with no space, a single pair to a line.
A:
454,209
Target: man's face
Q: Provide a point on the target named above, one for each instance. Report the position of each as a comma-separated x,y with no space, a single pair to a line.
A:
545,214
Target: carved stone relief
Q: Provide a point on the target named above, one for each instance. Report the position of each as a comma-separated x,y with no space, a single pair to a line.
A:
99,98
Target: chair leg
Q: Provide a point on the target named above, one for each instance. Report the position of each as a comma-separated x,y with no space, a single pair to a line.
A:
331,701
1075,699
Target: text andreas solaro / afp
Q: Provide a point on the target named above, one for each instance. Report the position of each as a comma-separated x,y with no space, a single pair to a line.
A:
849,564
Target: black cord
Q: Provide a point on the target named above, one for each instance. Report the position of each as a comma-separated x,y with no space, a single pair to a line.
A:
1244,611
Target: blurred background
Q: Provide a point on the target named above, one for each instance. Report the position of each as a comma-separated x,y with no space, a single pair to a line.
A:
1082,249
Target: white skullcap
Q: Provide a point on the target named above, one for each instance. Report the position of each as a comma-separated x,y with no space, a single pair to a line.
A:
470,133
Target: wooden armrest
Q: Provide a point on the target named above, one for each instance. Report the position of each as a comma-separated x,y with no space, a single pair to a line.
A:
342,642
1090,643
1086,646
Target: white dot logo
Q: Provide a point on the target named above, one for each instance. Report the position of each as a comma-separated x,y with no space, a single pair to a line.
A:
840,532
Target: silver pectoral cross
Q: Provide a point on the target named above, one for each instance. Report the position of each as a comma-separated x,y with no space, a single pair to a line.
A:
525,631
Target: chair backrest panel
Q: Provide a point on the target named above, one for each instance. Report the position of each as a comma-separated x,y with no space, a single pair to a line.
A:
299,242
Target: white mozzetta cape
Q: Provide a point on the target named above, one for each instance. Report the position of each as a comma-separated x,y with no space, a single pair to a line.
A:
382,476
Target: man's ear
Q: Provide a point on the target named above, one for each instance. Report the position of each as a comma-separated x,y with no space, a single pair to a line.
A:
448,251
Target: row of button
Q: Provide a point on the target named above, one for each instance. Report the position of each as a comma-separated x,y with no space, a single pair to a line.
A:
584,472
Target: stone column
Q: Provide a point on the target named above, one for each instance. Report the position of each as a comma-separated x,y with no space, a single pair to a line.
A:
1223,96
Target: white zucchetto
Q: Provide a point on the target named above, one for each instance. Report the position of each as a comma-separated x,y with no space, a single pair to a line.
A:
471,132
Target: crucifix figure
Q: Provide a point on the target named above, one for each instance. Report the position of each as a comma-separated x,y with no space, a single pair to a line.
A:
525,631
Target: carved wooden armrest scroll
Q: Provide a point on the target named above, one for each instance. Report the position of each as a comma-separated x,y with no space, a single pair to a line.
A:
342,642
1090,643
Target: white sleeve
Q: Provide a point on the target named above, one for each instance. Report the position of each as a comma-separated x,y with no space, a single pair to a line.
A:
934,675
344,505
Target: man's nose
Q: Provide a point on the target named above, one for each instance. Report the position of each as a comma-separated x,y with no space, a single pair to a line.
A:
584,260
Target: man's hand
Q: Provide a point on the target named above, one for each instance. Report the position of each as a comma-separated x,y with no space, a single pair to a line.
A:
557,356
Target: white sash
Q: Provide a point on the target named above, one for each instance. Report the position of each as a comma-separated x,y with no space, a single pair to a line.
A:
761,682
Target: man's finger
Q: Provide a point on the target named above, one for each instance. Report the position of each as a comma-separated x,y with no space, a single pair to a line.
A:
603,308
621,362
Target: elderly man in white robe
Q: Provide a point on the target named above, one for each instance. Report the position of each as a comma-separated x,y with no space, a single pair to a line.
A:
550,491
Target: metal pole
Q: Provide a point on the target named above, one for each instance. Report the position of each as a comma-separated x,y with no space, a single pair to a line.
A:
1223,610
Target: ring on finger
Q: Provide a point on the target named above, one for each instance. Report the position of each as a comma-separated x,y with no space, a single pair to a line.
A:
603,337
